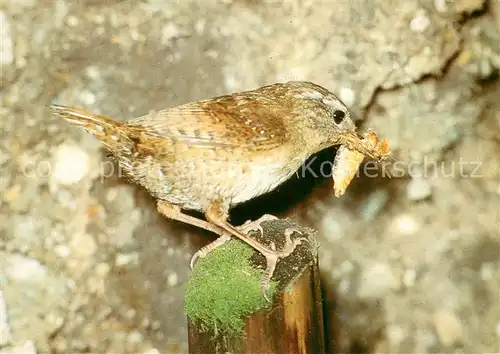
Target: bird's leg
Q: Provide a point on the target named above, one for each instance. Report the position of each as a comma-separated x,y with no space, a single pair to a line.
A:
226,236
174,212
218,215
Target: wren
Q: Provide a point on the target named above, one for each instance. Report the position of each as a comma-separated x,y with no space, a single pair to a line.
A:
213,154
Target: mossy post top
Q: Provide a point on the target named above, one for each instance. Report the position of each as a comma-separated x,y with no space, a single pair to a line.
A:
224,297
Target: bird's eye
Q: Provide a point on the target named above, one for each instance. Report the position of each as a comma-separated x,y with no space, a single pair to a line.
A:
338,116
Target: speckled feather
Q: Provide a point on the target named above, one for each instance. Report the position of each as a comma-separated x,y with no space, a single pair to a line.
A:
228,122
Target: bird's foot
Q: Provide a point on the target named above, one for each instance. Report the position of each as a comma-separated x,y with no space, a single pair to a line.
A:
245,228
202,252
272,257
256,224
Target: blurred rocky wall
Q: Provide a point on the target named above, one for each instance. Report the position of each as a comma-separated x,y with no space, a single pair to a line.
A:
410,263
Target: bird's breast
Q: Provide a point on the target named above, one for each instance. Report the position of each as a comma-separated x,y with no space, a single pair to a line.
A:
260,177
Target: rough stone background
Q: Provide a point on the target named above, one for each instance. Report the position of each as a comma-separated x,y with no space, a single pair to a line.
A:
410,263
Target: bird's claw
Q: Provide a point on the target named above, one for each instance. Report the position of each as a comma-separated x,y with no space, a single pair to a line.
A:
273,257
202,252
256,224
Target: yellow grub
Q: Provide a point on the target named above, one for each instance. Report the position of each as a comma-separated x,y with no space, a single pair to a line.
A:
345,165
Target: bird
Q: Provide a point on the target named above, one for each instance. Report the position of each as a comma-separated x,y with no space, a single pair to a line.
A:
213,154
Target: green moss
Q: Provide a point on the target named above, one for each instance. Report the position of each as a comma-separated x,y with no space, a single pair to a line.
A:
224,289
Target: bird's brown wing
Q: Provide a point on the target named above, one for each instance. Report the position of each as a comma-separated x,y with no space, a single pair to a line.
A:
228,121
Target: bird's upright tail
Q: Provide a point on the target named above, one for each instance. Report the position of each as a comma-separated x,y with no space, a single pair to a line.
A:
113,134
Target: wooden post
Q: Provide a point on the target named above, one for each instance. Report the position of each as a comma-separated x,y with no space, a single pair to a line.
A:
227,312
